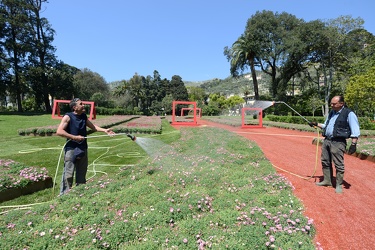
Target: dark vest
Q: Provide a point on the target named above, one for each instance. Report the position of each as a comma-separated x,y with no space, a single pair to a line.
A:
77,126
341,129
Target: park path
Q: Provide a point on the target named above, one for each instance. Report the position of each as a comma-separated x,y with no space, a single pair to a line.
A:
342,221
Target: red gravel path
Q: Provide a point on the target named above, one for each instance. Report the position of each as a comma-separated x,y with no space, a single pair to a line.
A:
343,221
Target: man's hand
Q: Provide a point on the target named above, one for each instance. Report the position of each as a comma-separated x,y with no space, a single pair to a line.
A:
313,124
352,148
109,131
78,138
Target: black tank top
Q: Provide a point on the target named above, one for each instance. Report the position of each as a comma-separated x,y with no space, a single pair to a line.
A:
77,126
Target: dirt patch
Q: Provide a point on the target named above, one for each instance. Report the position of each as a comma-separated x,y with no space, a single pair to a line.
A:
342,221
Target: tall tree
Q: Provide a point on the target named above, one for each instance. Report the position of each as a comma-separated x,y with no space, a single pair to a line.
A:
360,47
27,40
331,56
87,83
14,30
62,77
42,53
177,89
4,63
159,86
279,49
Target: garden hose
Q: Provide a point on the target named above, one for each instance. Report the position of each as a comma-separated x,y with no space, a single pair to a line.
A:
316,162
132,137
317,144
28,206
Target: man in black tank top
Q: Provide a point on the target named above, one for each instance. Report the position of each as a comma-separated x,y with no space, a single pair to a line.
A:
73,126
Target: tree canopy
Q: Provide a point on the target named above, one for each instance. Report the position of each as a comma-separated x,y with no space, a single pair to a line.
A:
295,54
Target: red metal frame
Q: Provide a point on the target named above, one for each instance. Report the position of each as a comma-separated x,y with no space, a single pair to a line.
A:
56,109
189,123
260,118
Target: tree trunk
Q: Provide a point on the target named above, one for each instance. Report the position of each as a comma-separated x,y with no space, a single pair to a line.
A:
254,76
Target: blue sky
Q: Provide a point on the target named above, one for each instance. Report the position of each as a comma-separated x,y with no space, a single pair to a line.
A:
118,38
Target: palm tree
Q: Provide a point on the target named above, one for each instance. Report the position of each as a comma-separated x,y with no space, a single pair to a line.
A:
241,55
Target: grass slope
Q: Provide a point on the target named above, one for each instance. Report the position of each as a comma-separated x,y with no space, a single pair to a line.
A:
195,188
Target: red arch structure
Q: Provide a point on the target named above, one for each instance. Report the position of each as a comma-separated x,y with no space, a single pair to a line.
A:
259,112
56,109
188,122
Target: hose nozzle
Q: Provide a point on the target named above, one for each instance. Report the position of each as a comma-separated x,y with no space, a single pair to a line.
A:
132,137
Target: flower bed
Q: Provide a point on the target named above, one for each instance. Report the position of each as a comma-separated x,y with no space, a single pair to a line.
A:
30,188
143,124
17,179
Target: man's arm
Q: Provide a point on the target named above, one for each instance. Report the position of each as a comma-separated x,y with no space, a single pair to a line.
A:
354,127
99,129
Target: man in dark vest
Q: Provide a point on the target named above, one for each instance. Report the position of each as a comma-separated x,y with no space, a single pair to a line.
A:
341,124
73,127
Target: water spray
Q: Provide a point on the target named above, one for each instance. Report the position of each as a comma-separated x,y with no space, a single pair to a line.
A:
277,102
266,104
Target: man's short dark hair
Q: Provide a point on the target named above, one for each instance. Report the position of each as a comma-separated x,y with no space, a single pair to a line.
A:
73,103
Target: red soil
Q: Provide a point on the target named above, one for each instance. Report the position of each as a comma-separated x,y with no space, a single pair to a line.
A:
342,221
